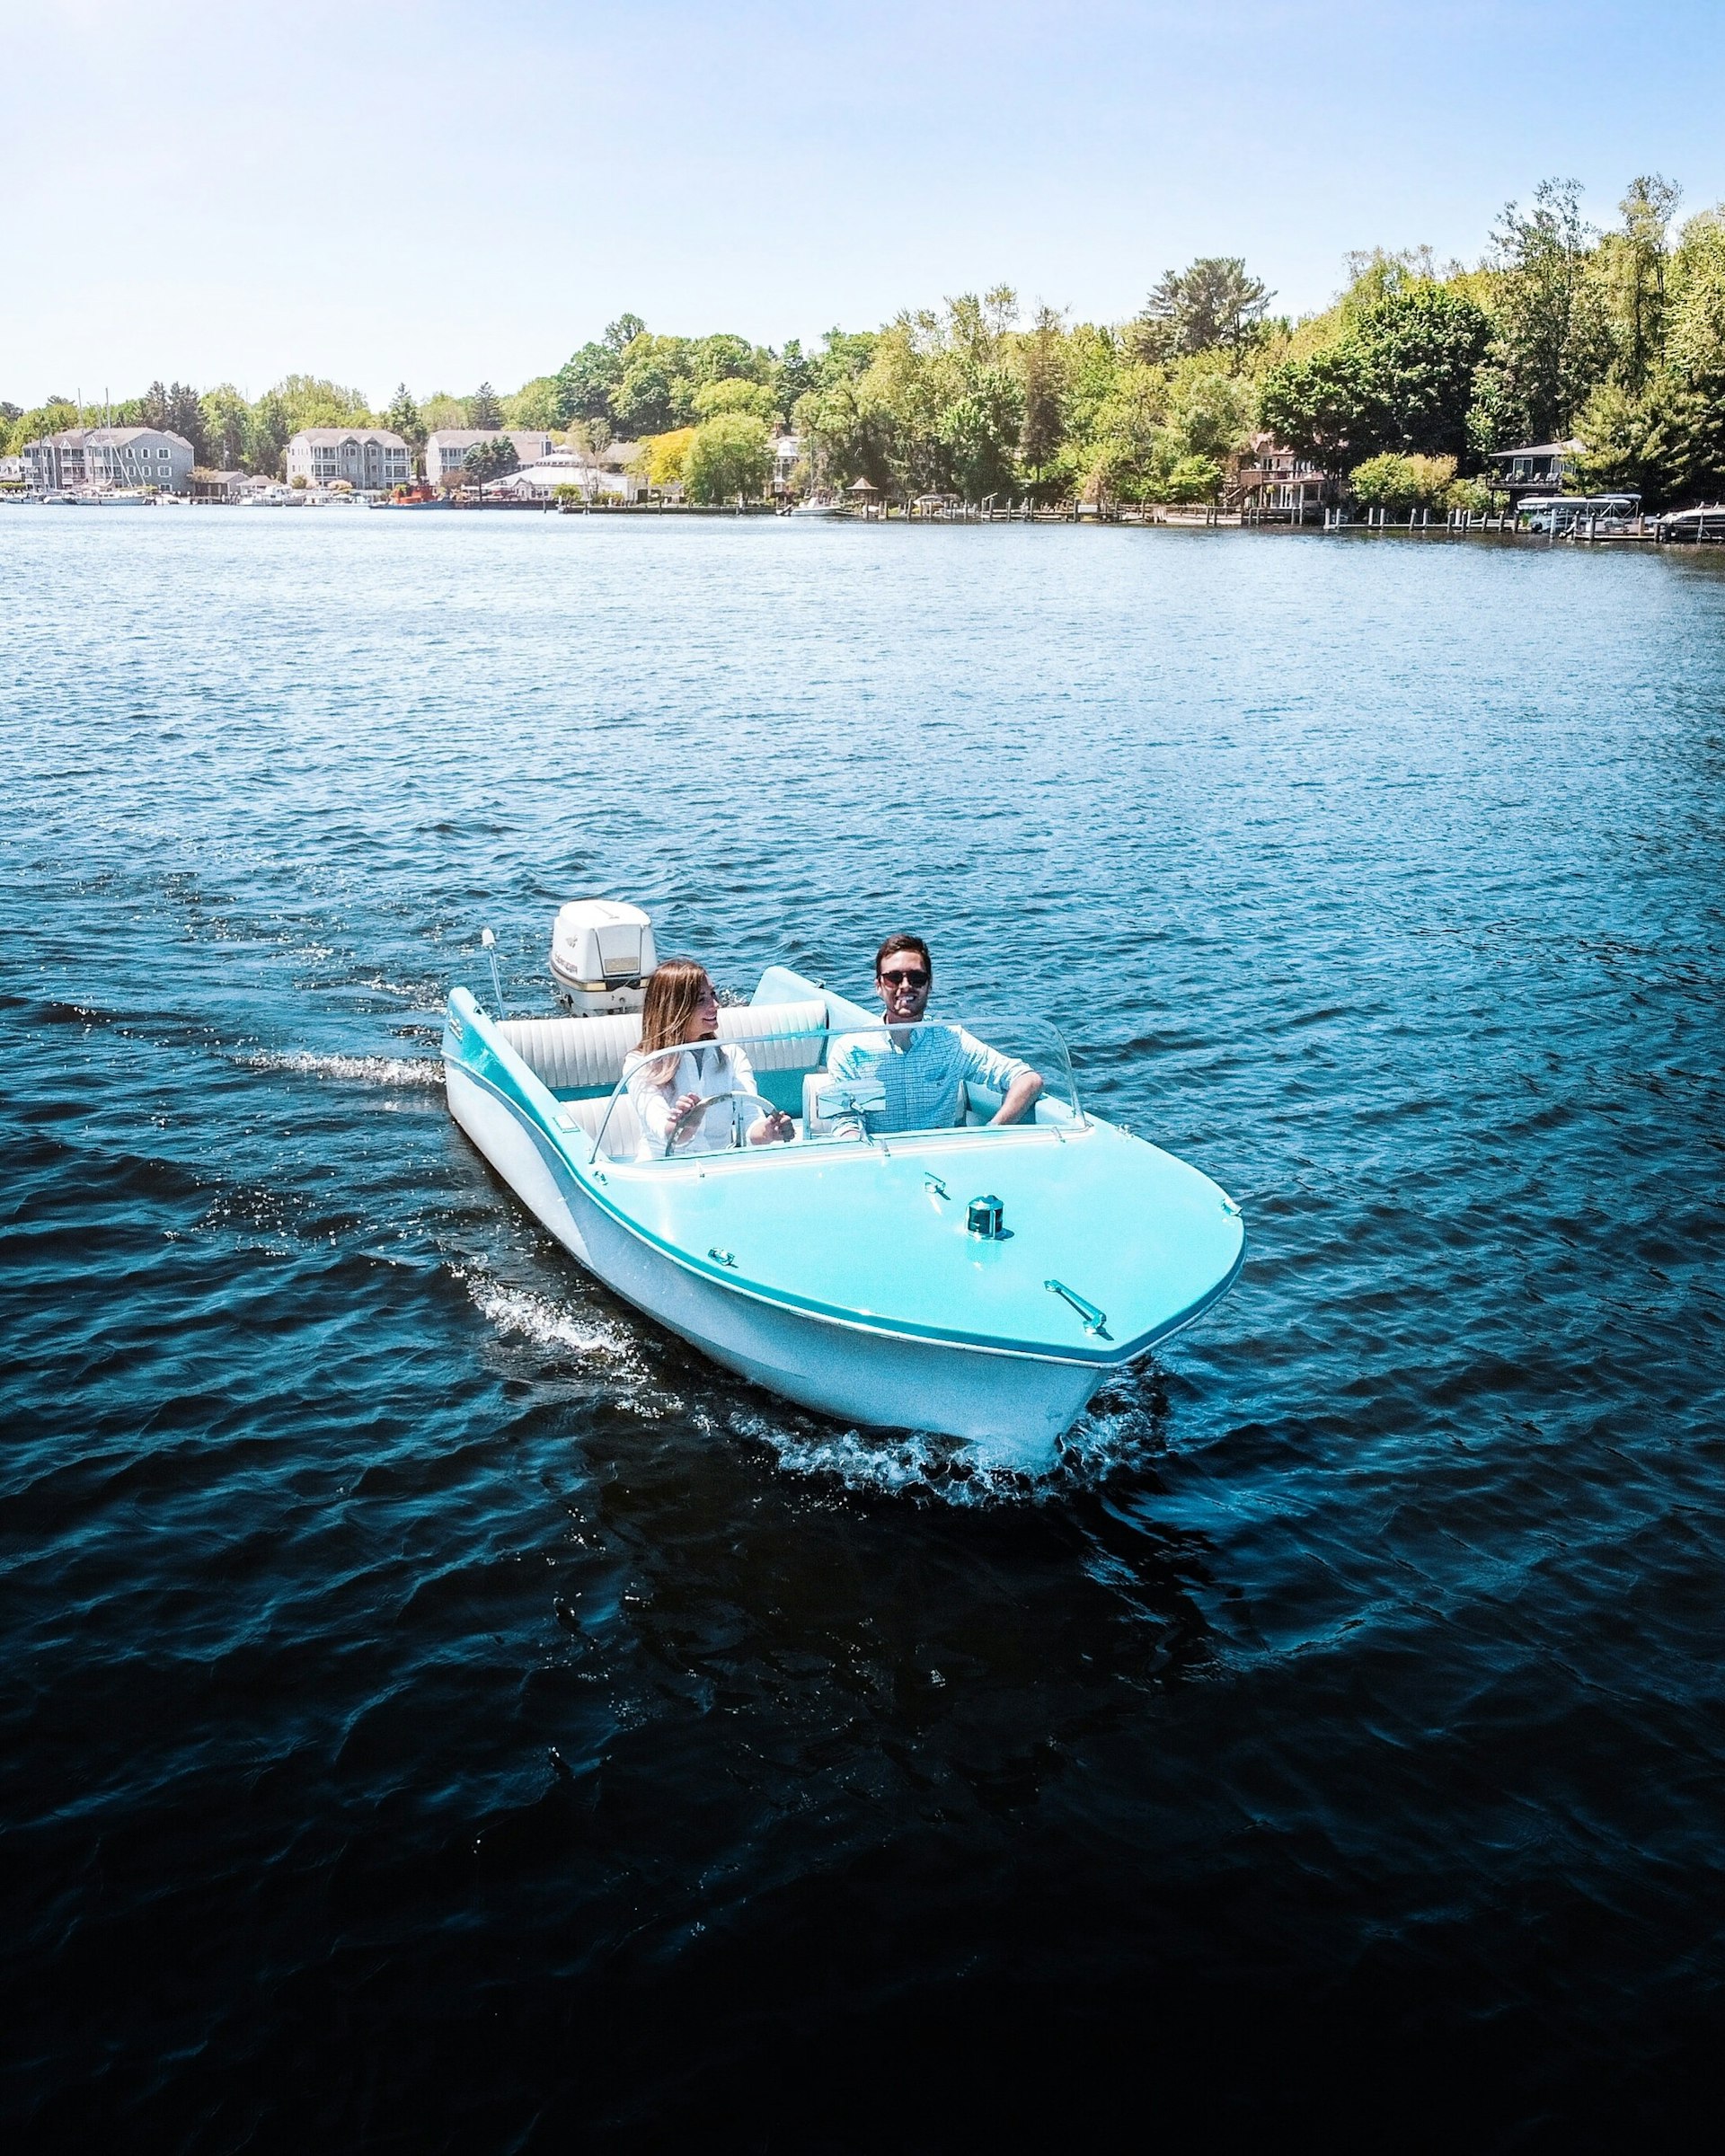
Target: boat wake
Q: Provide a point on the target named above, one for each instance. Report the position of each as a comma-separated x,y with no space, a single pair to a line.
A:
519,1313
351,1070
917,1464
1123,1427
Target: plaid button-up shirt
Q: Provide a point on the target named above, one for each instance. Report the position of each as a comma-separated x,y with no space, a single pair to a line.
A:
922,1078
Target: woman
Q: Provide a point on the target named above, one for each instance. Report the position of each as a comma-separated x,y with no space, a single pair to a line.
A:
666,1090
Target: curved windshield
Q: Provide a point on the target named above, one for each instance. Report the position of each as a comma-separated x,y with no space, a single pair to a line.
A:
755,1090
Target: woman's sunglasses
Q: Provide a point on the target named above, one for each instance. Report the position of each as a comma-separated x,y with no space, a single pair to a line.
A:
904,980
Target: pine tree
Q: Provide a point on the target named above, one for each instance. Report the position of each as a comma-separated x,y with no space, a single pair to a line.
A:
487,461
403,418
484,407
1043,383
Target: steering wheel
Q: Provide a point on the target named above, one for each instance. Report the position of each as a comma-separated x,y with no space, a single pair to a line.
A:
709,1100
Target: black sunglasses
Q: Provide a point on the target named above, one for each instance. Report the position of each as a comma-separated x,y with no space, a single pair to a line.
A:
904,980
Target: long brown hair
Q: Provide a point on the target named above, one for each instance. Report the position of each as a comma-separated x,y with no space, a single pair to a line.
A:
672,991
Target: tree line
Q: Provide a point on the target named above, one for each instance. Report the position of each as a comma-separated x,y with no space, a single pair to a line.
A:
1403,386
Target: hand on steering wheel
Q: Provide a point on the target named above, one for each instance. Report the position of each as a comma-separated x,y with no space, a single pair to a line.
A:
698,1104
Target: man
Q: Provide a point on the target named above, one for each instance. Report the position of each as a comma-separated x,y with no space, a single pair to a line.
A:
922,1069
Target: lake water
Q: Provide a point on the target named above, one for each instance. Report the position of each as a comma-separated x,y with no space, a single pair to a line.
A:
441,1712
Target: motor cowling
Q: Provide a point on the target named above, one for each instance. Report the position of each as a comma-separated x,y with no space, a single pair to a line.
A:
602,954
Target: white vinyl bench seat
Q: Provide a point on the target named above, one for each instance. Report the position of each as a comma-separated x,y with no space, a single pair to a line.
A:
586,1055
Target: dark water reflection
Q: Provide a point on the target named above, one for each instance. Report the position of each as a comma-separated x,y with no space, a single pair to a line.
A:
443,1713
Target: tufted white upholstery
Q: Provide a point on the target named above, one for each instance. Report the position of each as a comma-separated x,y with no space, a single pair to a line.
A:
572,1054
782,1024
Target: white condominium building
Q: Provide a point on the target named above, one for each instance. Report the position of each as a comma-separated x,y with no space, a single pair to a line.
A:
369,458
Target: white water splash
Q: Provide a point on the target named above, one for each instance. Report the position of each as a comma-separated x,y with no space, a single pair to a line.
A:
920,1465
352,1070
520,1315
889,1463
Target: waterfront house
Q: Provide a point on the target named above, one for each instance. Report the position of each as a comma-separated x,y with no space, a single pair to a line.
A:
787,454
625,466
1270,476
445,451
106,458
369,458
595,476
216,486
12,471
1536,468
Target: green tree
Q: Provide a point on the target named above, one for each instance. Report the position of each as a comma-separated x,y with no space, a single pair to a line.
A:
1635,268
735,394
1323,407
52,417
1421,346
724,358
484,407
1376,274
585,383
666,456
536,404
838,435
1209,412
652,394
794,377
1685,449
487,461
980,429
1401,483
224,419
1696,345
1620,431
844,430
310,401
268,427
1118,444
1042,362
440,411
1211,304
1552,337
728,458
935,385
1192,479
176,410
404,418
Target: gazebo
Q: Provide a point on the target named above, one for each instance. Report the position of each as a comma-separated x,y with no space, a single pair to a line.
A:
863,492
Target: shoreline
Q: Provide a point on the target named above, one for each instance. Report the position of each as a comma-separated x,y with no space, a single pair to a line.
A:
1708,531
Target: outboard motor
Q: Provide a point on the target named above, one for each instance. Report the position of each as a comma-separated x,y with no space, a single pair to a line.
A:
602,956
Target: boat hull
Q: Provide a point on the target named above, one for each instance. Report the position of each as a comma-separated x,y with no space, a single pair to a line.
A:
1011,1408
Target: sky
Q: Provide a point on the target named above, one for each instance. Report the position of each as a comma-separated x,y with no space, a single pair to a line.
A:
390,190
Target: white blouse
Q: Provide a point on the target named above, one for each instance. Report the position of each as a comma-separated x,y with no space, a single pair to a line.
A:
703,1067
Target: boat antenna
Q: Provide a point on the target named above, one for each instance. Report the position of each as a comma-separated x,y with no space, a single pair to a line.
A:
490,941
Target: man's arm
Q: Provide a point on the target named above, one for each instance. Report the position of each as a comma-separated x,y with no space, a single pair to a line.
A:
1012,1079
1021,1095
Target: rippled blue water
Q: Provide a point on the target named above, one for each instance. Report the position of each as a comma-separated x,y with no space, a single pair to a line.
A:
442,1712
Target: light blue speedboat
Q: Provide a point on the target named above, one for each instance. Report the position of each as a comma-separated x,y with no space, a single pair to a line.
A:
979,1280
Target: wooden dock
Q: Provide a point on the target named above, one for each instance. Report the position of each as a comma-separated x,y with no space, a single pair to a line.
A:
1695,527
